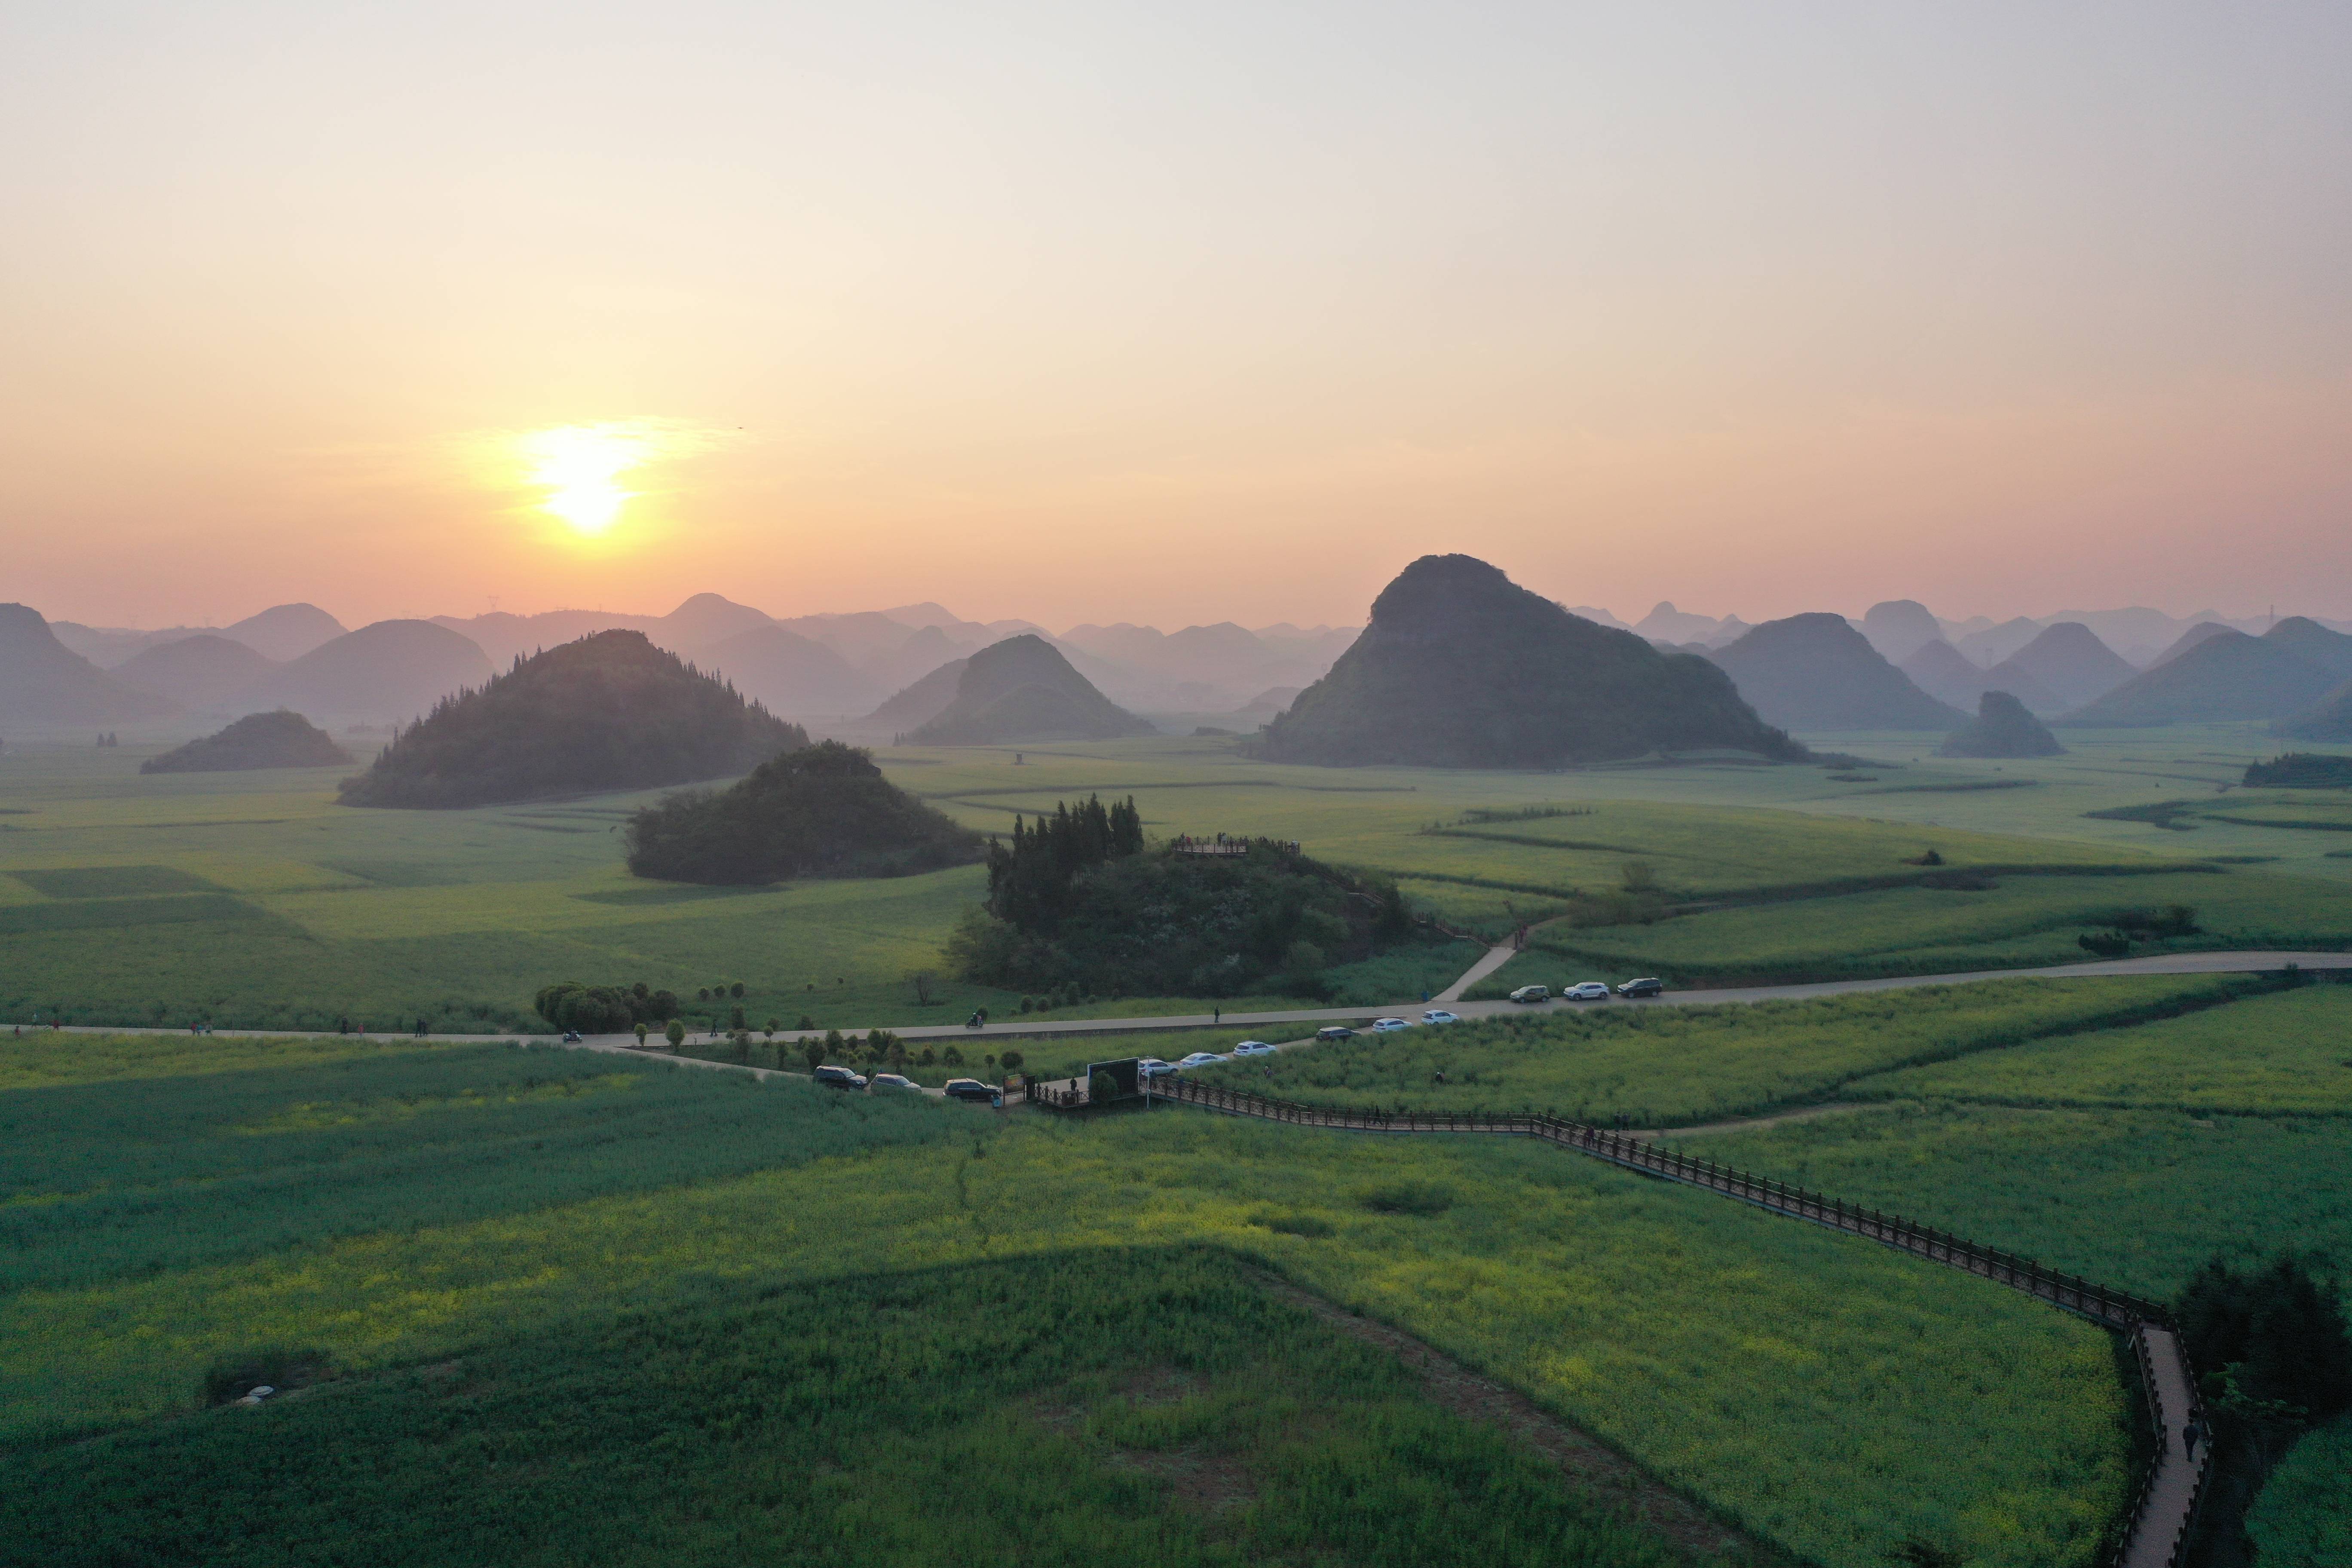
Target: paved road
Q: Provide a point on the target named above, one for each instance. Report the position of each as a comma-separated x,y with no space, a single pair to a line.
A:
1040,1028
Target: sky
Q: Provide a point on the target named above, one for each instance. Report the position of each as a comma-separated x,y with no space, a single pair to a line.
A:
1172,313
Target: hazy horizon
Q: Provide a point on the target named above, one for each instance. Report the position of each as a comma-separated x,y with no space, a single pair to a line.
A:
986,614
1174,317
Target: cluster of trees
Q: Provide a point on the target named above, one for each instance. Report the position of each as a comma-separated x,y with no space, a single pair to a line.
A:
1078,903
1030,881
2128,926
881,1048
603,1009
819,811
2274,1360
2300,770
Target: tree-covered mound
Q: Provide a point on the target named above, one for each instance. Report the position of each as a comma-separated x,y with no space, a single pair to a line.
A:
610,712
1077,898
1816,672
280,740
604,1009
2300,770
2002,728
822,810
1023,690
1461,668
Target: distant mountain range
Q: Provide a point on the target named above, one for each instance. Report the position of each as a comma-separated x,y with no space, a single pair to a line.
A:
868,673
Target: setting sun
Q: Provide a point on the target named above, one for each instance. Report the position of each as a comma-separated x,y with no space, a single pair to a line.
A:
579,467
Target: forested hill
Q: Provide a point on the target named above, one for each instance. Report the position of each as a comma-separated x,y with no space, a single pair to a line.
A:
279,739
825,811
610,712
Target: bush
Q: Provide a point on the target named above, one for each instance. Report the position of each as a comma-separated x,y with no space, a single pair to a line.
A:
603,1009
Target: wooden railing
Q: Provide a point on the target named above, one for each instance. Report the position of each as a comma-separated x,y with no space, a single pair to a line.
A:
2150,1539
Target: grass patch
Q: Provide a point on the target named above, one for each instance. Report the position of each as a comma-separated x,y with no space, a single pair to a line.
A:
2017,923
1174,1417
113,881
128,1173
1837,1397
2287,1053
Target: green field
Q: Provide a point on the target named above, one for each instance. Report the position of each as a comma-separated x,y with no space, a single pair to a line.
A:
253,899
2287,1053
1664,1067
1174,1417
1727,1351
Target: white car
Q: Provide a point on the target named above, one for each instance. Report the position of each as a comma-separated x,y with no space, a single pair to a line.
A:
1389,1026
1253,1048
1199,1060
1439,1015
1588,991
1153,1066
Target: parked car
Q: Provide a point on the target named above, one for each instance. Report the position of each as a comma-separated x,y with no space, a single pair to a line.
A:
1389,1026
969,1088
1253,1048
891,1080
1439,1015
1532,993
840,1078
1200,1059
1586,991
1335,1032
1153,1066
1640,987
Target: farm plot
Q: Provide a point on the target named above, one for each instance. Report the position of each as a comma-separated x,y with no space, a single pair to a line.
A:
1836,1398
1175,1415
1670,1066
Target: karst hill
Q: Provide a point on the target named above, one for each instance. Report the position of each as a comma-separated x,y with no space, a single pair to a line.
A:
390,669
1461,668
2003,727
2069,662
820,811
1023,690
203,673
279,739
610,712
2221,676
1817,672
44,682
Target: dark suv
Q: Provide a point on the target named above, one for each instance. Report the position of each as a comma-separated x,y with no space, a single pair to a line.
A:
840,1078
1641,988
969,1088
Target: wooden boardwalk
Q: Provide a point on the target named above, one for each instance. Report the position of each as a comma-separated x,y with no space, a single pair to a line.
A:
2157,1531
